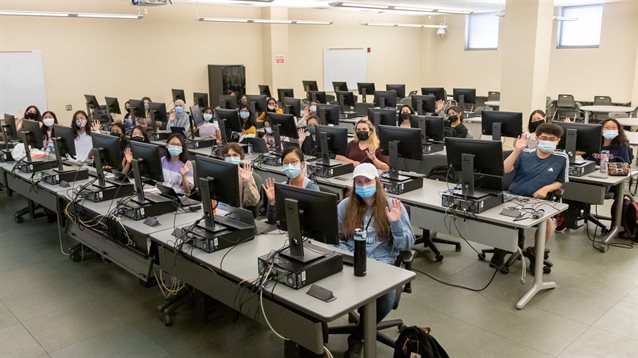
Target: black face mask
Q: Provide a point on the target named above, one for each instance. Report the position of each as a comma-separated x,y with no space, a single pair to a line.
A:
128,110
137,138
363,135
453,118
405,116
533,125
31,115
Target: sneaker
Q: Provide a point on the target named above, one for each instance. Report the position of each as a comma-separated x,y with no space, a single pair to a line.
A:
355,347
498,258
561,222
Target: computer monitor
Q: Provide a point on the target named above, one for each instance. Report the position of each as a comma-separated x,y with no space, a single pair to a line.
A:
112,105
106,151
432,125
410,145
91,102
178,94
64,143
260,103
197,116
225,179
345,99
579,137
337,138
317,96
285,122
147,164
400,89
231,119
339,86
328,114
200,99
285,92
438,92
382,116
424,104
385,99
317,214
158,111
469,95
33,132
292,106
137,108
497,124
264,90
365,89
10,127
228,101
479,161
310,86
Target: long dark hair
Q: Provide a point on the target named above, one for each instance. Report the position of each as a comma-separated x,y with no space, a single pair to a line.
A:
38,116
621,138
76,129
184,155
529,123
248,122
45,133
143,130
355,213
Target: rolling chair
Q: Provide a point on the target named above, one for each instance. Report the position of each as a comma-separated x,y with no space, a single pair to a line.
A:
565,107
493,96
602,101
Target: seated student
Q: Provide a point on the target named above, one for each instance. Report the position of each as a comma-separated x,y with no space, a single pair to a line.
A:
404,116
309,110
117,130
138,134
48,120
243,100
294,168
269,137
308,139
32,113
454,125
179,118
146,121
537,172
234,153
128,119
247,124
272,108
388,231
364,147
536,118
210,127
177,169
82,136
614,141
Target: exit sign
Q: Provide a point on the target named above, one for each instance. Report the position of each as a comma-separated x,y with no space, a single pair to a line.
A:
280,59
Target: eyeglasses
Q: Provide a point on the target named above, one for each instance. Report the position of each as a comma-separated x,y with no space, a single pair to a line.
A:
550,138
294,162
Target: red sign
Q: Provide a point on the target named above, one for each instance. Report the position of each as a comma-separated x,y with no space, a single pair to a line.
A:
280,59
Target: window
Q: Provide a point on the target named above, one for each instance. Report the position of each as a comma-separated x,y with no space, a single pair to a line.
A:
579,26
481,31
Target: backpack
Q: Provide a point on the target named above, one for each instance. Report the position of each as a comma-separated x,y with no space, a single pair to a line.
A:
442,173
629,217
416,342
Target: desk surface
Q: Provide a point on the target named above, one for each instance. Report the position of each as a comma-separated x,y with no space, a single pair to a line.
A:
628,122
602,109
493,103
609,181
350,291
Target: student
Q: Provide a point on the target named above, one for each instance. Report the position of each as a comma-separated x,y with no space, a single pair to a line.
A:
309,110
454,126
404,116
138,134
247,122
272,108
210,128
32,113
536,118
179,118
269,137
388,232
147,106
294,168
364,147
82,136
48,120
117,130
128,120
243,100
308,138
234,153
439,108
614,141
537,172
177,169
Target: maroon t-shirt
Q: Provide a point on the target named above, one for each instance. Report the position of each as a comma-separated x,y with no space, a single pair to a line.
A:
355,153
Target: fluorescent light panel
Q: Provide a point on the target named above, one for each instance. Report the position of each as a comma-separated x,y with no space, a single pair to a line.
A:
265,21
382,24
65,14
397,8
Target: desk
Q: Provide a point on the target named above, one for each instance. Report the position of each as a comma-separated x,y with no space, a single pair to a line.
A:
493,103
291,312
628,122
603,109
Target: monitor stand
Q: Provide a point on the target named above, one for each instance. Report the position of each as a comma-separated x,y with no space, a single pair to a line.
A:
105,190
394,182
5,154
273,158
295,250
324,167
145,205
30,165
64,173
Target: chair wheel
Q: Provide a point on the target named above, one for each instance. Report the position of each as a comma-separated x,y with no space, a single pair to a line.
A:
169,318
75,257
547,270
439,258
19,219
481,256
458,248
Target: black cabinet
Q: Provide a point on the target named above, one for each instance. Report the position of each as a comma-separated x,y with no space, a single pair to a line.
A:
224,78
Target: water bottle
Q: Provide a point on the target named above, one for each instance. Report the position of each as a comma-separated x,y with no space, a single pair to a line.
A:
604,158
250,148
360,255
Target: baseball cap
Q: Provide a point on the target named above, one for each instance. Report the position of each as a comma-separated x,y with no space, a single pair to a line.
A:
365,170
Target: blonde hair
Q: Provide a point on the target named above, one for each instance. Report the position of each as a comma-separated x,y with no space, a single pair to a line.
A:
374,140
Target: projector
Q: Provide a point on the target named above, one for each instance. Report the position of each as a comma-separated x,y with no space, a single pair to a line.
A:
149,2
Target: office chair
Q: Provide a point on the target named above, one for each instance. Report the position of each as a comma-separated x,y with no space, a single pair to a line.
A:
34,210
565,107
493,96
602,101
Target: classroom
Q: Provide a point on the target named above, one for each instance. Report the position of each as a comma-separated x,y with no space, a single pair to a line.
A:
318,178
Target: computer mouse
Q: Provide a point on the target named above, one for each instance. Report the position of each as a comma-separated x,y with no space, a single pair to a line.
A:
151,221
63,184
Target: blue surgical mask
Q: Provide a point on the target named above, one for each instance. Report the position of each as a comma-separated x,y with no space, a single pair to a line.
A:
547,146
208,117
232,160
366,191
311,129
174,150
610,134
179,110
292,170
268,130
146,106
244,114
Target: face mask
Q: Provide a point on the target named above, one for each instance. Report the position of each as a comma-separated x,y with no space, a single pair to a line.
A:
312,108
31,115
534,125
208,117
80,123
453,118
128,110
610,134
547,146
232,160
363,135
272,108
174,150
405,116
48,121
366,191
268,130
146,106
311,129
179,110
244,115
117,135
292,171
137,138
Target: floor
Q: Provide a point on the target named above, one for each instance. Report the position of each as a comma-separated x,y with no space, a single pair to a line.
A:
53,307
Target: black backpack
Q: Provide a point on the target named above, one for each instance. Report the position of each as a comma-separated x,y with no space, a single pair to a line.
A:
416,342
629,217
442,173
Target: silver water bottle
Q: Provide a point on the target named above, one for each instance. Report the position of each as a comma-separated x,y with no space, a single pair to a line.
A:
360,255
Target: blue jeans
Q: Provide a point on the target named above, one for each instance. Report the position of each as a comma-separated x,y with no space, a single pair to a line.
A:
385,304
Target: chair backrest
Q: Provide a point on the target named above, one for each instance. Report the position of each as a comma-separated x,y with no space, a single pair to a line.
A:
618,115
602,100
566,101
493,96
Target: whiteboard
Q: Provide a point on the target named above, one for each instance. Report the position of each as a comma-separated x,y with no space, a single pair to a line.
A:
344,64
21,81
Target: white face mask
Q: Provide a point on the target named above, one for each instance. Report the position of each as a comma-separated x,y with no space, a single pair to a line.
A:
48,121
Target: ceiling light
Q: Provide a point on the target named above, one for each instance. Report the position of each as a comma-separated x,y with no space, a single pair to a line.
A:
33,13
66,14
109,16
265,21
359,6
211,19
442,26
398,8
451,11
562,18
278,22
413,9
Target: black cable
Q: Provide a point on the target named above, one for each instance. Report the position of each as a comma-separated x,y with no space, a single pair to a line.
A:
456,285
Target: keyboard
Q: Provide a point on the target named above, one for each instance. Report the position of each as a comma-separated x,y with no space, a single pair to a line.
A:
348,259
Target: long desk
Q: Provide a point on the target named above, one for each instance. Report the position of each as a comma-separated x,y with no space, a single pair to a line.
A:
603,109
291,313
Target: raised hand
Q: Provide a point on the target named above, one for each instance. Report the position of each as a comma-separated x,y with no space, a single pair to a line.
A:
521,142
440,104
301,134
171,116
245,172
186,168
269,189
128,155
95,126
394,211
